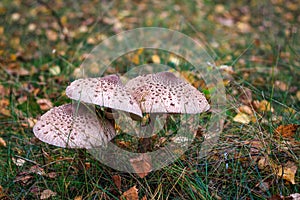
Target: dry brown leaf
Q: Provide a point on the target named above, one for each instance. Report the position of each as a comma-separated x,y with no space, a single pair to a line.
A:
131,194
242,118
117,181
141,165
144,198
23,178
246,96
246,109
37,170
29,122
45,104
287,172
52,174
46,194
262,163
264,186
2,142
286,131
51,35
281,85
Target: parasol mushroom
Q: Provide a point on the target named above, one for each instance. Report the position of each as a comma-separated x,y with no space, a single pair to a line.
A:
73,126
106,91
164,93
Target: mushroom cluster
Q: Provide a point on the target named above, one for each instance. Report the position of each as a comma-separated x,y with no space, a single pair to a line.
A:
82,125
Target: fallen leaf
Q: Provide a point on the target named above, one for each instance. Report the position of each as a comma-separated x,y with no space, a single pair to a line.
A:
298,95
51,35
37,170
135,59
29,122
174,59
2,142
23,178
281,85
155,59
262,163
288,172
55,70
18,161
131,194
226,68
246,96
78,198
117,181
52,174
45,104
264,105
286,131
246,109
141,165
144,198
46,194
242,118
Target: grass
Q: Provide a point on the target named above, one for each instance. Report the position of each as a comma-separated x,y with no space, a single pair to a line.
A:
262,56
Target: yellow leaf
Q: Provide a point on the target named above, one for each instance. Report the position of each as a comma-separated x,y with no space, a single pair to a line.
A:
78,198
55,70
156,59
135,59
288,172
264,105
242,118
1,30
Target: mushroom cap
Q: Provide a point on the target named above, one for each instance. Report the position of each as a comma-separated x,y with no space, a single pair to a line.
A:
163,92
73,126
106,91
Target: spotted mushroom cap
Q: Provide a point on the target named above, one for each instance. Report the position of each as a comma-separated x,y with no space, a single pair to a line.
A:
73,126
163,92
106,91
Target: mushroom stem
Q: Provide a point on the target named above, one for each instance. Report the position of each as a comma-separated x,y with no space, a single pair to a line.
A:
145,143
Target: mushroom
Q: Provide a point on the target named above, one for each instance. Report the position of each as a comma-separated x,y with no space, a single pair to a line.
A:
73,126
164,93
106,91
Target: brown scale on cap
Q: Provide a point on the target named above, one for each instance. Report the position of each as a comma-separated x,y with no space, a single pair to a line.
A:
73,126
163,92
106,91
